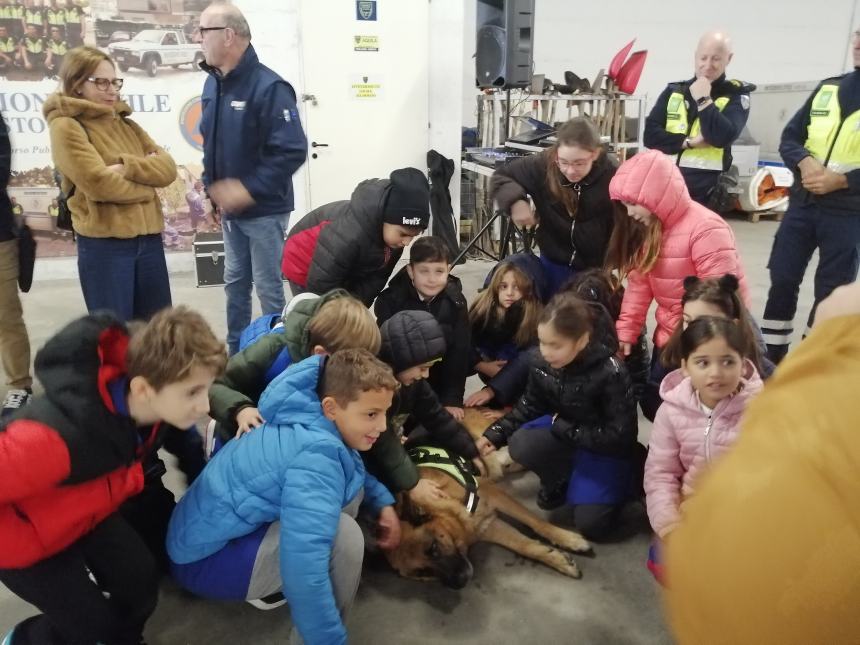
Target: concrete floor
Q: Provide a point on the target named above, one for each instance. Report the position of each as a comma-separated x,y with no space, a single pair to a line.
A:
509,600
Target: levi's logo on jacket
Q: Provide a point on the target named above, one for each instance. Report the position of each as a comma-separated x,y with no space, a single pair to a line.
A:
411,221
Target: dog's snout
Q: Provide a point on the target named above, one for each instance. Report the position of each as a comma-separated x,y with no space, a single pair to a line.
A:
455,571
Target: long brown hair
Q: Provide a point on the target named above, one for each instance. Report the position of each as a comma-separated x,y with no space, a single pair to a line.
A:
581,133
485,308
723,294
633,245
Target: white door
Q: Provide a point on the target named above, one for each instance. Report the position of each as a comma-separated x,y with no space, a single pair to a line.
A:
369,111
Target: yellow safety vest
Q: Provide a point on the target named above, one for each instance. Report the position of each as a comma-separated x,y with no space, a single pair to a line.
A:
34,46
6,12
56,16
54,211
677,122
73,14
16,11
18,210
34,17
8,46
832,140
58,48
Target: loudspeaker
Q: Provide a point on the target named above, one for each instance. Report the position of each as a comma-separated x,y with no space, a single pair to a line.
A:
504,43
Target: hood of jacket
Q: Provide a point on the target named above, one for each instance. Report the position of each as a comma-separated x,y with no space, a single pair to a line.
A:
651,179
292,398
530,265
59,105
677,389
411,338
75,367
297,315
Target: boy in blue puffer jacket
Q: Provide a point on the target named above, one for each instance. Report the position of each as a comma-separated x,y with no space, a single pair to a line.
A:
275,511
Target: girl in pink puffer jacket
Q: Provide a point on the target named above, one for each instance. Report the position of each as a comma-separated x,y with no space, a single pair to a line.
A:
664,238
700,417
698,421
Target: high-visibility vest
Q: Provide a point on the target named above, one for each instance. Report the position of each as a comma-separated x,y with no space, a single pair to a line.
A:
830,138
73,15
54,211
7,45
36,46
34,17
12,12
58,48
56,17
677,122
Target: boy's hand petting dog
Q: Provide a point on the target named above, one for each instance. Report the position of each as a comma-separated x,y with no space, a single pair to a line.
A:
485,446
247,419
457,413
479,398
388,529
425,492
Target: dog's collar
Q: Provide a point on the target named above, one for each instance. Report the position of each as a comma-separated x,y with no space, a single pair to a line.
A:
453,465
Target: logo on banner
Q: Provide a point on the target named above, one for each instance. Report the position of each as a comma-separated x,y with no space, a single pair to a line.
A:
189,123
365,9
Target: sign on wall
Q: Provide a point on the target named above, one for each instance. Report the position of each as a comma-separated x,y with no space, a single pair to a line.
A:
156,56
365,10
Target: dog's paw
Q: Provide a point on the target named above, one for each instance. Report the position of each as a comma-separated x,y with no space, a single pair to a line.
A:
570,568
573,542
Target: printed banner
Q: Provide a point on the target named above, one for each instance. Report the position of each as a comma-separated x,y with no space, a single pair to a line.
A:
152,43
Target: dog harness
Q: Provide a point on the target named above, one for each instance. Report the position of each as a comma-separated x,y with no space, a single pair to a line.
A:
453,465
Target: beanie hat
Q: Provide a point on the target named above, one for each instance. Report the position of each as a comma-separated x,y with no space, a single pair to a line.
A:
408,202
411,338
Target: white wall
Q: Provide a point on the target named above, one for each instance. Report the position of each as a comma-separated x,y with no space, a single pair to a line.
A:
446,89
790,40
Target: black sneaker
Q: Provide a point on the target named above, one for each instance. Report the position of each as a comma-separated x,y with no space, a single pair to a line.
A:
551,497
15,399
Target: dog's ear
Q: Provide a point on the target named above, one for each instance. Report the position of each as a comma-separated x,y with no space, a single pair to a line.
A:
412,513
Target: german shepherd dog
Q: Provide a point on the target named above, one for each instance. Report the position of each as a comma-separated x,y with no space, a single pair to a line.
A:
435,539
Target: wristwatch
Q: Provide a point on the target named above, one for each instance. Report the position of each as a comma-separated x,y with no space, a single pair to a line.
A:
702,101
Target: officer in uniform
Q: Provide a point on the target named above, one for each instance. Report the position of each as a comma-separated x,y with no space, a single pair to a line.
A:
74,23
33,16
821,144
55,17
31,52
11,15
57,49
696,121
8,48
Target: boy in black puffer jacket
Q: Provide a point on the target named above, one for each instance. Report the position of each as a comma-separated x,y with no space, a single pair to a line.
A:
587,454
411,342
354,244
426,285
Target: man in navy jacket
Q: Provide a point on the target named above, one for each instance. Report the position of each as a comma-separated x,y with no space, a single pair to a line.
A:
253,142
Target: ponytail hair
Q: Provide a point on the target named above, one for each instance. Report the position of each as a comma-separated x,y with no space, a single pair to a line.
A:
569,315
724,294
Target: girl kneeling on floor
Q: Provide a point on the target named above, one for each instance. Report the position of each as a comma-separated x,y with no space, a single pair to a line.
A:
586,456
699,419
504,329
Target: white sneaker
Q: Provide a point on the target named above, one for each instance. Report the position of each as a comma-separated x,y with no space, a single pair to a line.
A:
272,601
15,399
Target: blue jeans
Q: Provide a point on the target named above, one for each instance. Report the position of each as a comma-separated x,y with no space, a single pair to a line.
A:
252,249
127,277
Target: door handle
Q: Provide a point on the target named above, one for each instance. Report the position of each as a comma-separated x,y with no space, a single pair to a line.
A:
309,97
314,144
